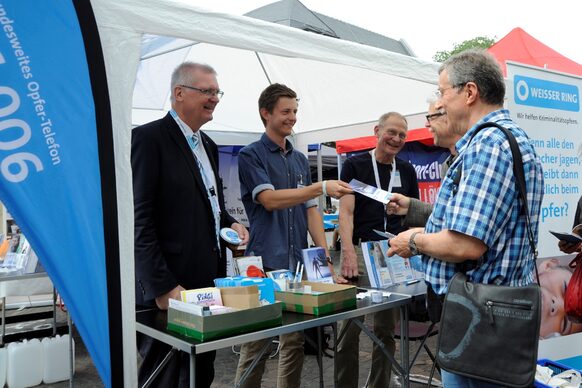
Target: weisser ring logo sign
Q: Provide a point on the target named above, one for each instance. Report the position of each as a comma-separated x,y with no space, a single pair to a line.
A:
546,94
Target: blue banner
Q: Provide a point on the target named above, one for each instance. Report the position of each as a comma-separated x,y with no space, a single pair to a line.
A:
427,161
546,94
50,172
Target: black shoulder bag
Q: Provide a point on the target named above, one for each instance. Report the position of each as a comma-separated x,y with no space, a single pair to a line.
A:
490,332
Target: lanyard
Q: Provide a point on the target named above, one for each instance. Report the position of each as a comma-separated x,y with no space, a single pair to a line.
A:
377,177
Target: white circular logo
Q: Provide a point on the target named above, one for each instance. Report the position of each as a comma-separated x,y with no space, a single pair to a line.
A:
522,90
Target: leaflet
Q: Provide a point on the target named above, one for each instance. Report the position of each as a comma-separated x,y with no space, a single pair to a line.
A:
370,191
573,237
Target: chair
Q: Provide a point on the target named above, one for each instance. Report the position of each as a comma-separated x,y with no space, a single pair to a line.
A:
421,331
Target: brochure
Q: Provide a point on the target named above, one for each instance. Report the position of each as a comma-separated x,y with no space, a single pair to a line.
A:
250,266
376,263
316,266
202,296
370,191
573,237
400,269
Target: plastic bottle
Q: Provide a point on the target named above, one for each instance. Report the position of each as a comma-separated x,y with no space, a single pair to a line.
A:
24,367
56,358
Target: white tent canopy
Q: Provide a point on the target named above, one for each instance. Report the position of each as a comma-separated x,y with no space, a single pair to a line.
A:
331,95
340,84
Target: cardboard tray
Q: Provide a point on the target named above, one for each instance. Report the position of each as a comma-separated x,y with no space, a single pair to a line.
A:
205,328
334,297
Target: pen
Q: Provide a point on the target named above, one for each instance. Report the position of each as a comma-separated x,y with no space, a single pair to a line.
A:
296,272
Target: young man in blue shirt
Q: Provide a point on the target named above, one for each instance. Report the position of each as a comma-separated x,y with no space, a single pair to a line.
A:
278,196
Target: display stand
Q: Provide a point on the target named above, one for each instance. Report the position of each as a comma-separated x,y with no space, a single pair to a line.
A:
24,284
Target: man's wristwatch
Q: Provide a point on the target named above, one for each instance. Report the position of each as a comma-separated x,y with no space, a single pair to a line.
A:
412,245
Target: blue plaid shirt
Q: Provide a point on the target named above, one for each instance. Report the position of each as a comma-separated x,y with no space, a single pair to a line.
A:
486,205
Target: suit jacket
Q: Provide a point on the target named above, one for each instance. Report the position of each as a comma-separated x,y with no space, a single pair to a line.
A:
175,241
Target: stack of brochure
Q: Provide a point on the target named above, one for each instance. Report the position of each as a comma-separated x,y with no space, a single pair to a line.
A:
384,271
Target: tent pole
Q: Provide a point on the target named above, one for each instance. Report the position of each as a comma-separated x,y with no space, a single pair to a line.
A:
339,165
263,67
320,177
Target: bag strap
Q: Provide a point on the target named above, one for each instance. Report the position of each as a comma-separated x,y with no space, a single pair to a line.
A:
519,181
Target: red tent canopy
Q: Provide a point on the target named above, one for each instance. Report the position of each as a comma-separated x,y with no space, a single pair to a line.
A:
519,46
368,142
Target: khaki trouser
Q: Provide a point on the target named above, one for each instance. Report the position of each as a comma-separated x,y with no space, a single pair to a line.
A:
347,358
290,361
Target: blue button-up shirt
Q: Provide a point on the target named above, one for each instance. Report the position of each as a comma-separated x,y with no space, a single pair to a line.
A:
486,206
279,235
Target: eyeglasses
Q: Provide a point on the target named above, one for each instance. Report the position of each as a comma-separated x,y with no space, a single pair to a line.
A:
435,115
439,93
207,92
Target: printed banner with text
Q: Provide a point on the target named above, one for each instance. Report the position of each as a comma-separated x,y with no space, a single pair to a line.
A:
52,126
546,105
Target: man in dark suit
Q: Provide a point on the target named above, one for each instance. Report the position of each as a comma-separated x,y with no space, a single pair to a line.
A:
179,209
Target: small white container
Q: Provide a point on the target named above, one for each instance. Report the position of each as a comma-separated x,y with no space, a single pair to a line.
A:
56,359
376,296
24,363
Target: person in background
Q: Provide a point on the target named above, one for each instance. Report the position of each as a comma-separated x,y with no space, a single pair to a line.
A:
358,217
179,209
415,211
477,220
278,197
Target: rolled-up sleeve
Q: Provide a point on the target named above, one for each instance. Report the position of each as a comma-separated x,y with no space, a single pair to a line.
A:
253,174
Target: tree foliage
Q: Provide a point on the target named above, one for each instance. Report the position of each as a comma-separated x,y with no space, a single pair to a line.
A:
480,42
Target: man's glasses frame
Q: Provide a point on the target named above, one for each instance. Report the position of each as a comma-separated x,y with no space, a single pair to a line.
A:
435,115
207,92
439,93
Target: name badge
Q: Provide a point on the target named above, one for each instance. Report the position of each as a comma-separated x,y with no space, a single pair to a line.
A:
396,179
300,184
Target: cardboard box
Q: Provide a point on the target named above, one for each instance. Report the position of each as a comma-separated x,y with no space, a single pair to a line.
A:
329,298
244,297
266,287
205,328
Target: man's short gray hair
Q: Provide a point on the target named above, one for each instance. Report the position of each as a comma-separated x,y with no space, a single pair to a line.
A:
386,116
182,75
480,67
432,99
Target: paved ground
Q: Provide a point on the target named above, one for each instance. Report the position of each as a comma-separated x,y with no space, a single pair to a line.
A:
86,375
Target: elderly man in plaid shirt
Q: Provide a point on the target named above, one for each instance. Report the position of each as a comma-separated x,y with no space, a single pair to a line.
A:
477,222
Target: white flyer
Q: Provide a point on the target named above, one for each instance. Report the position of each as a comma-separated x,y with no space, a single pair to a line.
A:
370,191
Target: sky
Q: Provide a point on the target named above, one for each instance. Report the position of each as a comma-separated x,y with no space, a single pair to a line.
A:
428,27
